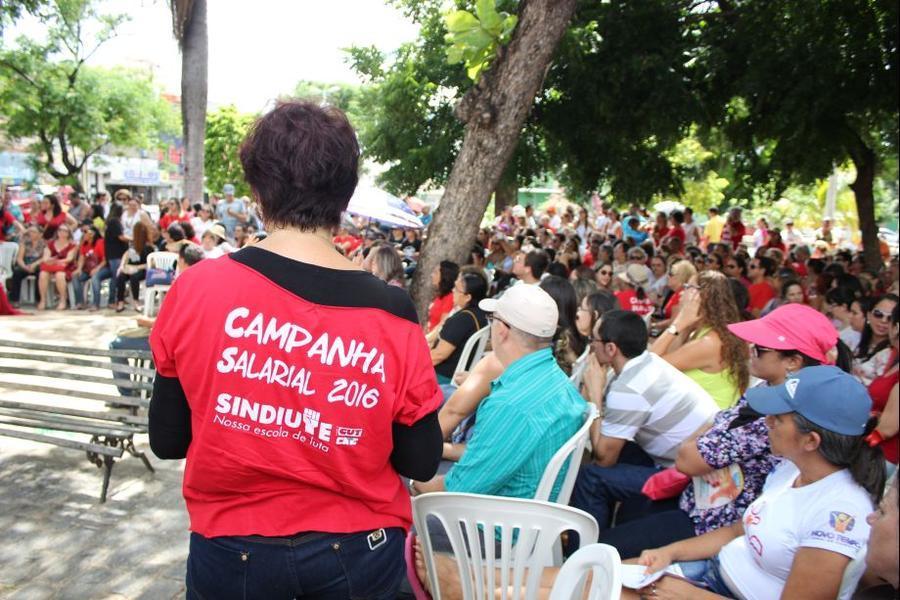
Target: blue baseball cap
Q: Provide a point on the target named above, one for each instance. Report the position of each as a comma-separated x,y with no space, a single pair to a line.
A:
827,396
228,188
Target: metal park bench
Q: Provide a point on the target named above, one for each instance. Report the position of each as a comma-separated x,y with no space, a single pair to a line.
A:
82,406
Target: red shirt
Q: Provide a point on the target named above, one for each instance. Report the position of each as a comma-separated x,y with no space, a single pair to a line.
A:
760,294
348,242
167,219
672,302
628,300
7,221
880,390
439,308
97,249
294,375
677,232
588,259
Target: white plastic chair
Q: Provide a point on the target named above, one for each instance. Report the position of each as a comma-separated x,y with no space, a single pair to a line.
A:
158,260
569,455
470,519
602,562
472,351
8,252
579,367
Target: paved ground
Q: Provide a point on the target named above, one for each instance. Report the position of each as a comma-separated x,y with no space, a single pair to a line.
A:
56,540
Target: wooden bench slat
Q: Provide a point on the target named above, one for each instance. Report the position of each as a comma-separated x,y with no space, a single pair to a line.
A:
74,412
77,351
127,384
107,398
58,426
81,362
49,439
36,415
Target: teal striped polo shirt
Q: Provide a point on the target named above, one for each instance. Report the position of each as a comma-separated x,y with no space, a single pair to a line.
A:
531,412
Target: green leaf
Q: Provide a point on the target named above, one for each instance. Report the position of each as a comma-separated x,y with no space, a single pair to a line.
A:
460,20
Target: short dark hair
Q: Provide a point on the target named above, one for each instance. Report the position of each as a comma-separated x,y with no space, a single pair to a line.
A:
301,161
537,261
625,329
678,216
449,271
766,264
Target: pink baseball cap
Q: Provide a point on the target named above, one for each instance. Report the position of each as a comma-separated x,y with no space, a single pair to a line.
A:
791,327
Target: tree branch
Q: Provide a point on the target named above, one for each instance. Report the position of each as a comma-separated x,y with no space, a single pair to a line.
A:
48,150
19,72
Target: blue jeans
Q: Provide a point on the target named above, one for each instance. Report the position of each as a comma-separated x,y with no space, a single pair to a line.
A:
597,489
79,287
324,566
706,574
128,342
651,531
108,271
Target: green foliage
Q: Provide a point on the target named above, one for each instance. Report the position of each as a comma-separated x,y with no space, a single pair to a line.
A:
344,96
473,39
802,98
68,109
226,129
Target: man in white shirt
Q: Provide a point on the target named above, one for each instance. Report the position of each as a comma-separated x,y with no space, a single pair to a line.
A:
790,236
529,267
649,410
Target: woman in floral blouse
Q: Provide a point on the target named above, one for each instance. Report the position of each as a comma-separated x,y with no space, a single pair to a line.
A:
729,461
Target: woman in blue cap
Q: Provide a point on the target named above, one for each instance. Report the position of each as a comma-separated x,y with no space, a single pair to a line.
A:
798,538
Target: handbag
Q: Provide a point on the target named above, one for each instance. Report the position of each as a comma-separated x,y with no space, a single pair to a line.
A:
157,276
668,483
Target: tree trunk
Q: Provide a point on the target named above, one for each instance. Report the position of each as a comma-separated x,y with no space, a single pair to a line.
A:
493,111
194,58
862,188
506,194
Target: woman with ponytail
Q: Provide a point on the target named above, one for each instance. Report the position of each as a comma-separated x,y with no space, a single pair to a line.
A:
797,539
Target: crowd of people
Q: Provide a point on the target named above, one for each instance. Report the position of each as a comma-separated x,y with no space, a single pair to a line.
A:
746,379
83,244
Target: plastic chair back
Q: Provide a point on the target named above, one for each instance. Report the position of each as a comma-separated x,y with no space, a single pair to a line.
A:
473,350
8,252
162,260
602,562
579,367
569,454
527,531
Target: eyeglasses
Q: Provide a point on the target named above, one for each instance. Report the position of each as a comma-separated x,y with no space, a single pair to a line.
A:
596,340
493,317
690,286
881,315
753,266
605,272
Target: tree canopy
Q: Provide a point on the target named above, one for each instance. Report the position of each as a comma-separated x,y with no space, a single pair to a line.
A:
226,129
67,110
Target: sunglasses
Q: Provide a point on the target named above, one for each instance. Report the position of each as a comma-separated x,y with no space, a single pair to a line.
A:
757,351
881,315
604,272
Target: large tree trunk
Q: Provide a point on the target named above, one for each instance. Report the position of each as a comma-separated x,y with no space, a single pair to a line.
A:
506,194
494,111
865,162
194,58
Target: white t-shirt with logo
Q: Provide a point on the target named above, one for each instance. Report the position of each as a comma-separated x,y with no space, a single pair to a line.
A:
829,514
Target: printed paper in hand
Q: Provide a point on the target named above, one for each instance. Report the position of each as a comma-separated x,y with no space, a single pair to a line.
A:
636,576
718,488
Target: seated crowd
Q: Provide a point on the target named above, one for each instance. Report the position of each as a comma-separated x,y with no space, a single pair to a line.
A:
747,393
748,398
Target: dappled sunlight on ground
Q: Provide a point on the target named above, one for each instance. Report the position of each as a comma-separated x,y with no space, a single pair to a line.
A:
56,540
